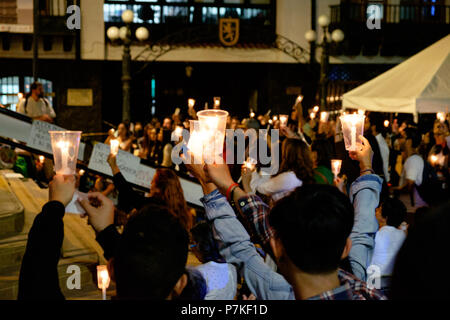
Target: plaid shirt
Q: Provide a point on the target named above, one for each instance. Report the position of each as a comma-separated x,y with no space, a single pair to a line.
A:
255,212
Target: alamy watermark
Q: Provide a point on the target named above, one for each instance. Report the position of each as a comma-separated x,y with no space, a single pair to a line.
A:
74,20
212,149
374,16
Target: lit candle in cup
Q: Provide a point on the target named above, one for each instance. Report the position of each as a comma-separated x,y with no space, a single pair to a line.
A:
81,172
433,159
270,121
386,123
250,163
216,102
178,131
114,146
191,103
212,125
336,167
20,96
441,116
299,98
361,111
316,109
275,118
252,114
352,128
103,279
312,115
41,159
283,120
324,116
65,151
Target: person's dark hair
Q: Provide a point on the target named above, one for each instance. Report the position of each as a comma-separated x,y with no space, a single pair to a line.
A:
419,271
324,152
35,85
313,224
413,134
203,237
296,157
151,255
377,121
196,287
394,211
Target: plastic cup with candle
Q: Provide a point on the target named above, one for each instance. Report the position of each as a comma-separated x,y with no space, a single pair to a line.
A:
275,118
195,144
103,279
81,172
386,123
270,121
41,159
336,166
212,126
324,116
179,131
433,159
312,115
283,120
352,128
191,103
114,146
252,114
216,102
65,151
316,109
361,111
299,98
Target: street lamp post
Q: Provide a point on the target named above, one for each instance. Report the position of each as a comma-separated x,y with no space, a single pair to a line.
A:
336,36
124,33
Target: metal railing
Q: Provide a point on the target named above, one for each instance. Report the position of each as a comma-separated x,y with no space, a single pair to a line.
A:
424,13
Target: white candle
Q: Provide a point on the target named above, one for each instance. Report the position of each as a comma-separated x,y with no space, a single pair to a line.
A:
103,279
283,120
191,103
64,151
312,115
336,166
316,109
353,137
324,116
114,146
352,127
386,123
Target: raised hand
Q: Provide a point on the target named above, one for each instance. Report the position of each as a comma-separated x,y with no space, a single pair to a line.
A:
363,154
99,209
61,189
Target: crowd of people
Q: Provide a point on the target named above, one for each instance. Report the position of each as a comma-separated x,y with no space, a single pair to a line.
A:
376,230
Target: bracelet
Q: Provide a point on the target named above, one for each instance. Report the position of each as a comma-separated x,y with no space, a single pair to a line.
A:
367,170
229,189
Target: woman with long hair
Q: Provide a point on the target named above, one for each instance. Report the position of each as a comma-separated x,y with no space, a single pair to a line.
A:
166,187
150,146
124,135
296,169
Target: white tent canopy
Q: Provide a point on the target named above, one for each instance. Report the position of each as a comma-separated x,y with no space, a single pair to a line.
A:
420,84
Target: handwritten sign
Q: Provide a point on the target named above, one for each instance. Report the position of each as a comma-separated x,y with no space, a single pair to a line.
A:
127,163
40,138
144,176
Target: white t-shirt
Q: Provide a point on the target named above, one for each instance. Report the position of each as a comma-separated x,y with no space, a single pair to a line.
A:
221,280
276,187
388,242
36,108
413,170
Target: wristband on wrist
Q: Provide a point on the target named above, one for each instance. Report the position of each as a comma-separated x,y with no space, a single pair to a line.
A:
229,189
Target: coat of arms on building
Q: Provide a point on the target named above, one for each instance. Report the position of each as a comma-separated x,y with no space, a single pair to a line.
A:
229,31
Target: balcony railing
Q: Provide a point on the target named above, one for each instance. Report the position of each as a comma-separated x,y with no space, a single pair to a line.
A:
393,14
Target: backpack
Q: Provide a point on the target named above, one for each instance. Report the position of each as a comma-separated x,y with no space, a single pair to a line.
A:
432,189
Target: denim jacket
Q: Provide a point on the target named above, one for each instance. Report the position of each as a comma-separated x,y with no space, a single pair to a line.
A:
236,247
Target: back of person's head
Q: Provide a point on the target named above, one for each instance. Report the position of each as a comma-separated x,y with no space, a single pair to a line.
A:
151,254
394,211
296,157
324,152
196,287
420,269
206,246
413,135
166,186
313,224
377,121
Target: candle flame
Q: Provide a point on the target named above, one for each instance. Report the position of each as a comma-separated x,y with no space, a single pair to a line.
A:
41,159
361,111
386,123
316,109
191,102
441,116
312,115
